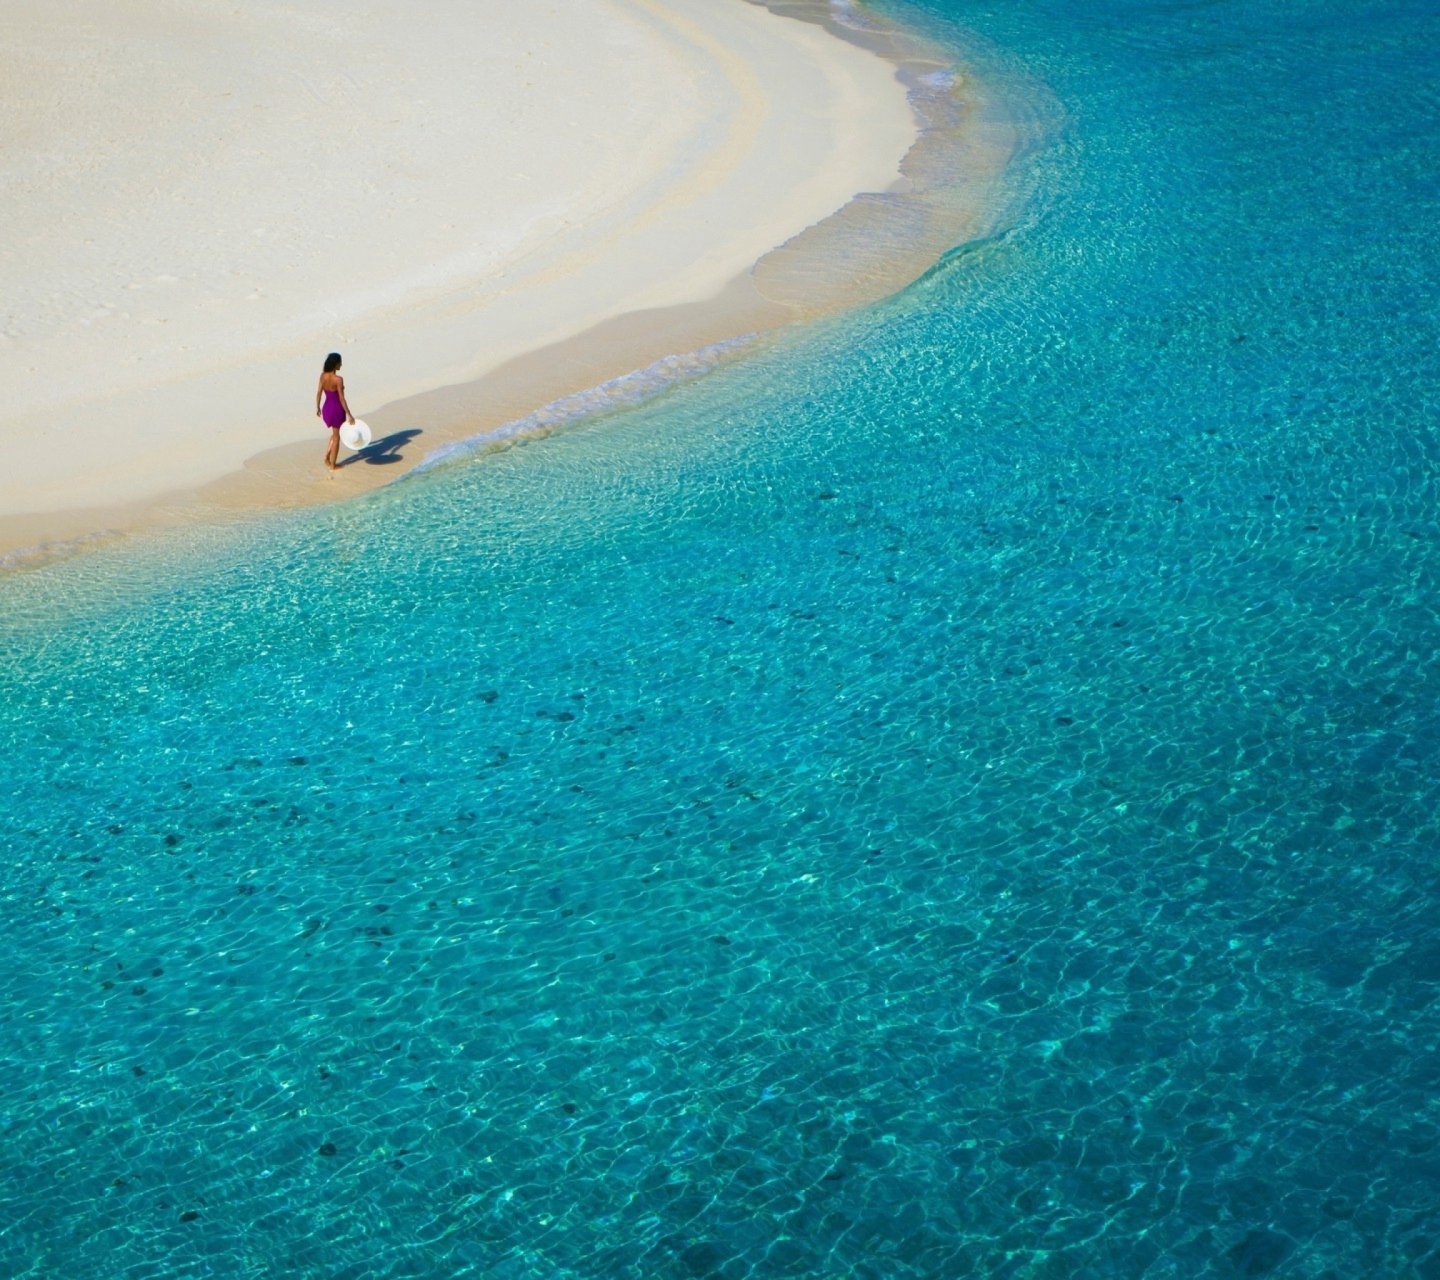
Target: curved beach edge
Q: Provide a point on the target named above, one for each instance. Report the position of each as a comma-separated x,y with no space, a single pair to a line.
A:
950,190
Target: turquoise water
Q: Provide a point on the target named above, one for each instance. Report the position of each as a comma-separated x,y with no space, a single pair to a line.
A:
953,794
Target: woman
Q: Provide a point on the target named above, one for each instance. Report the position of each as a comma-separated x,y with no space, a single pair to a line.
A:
335,412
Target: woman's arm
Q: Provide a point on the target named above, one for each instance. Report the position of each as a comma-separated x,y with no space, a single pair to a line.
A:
319,391
349,417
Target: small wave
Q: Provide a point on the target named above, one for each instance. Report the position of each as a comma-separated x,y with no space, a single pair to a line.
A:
624,392
849,14
29,557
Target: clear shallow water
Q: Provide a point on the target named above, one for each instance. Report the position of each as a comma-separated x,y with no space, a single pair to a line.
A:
954,795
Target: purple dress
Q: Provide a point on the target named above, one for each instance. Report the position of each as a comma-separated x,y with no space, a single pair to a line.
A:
333,412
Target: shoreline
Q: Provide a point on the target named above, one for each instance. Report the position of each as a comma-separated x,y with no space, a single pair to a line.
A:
869,248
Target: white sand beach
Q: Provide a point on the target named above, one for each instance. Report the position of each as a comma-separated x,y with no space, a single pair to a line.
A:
198,200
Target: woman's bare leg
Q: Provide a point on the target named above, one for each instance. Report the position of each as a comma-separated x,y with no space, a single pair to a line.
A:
333,452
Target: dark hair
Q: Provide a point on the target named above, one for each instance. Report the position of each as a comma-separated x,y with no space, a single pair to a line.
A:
332,362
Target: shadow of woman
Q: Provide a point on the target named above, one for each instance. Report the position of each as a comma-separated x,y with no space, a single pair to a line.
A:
382,452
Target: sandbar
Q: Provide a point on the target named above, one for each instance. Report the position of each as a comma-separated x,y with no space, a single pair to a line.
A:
482,206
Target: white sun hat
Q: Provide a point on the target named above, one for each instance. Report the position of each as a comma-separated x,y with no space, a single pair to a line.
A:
355,435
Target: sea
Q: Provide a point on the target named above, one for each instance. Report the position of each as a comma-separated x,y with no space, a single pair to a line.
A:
950,791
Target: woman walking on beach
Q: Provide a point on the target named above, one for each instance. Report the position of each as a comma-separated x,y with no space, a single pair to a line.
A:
335,413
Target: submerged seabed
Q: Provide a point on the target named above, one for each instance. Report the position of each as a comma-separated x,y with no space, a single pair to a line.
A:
951,794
